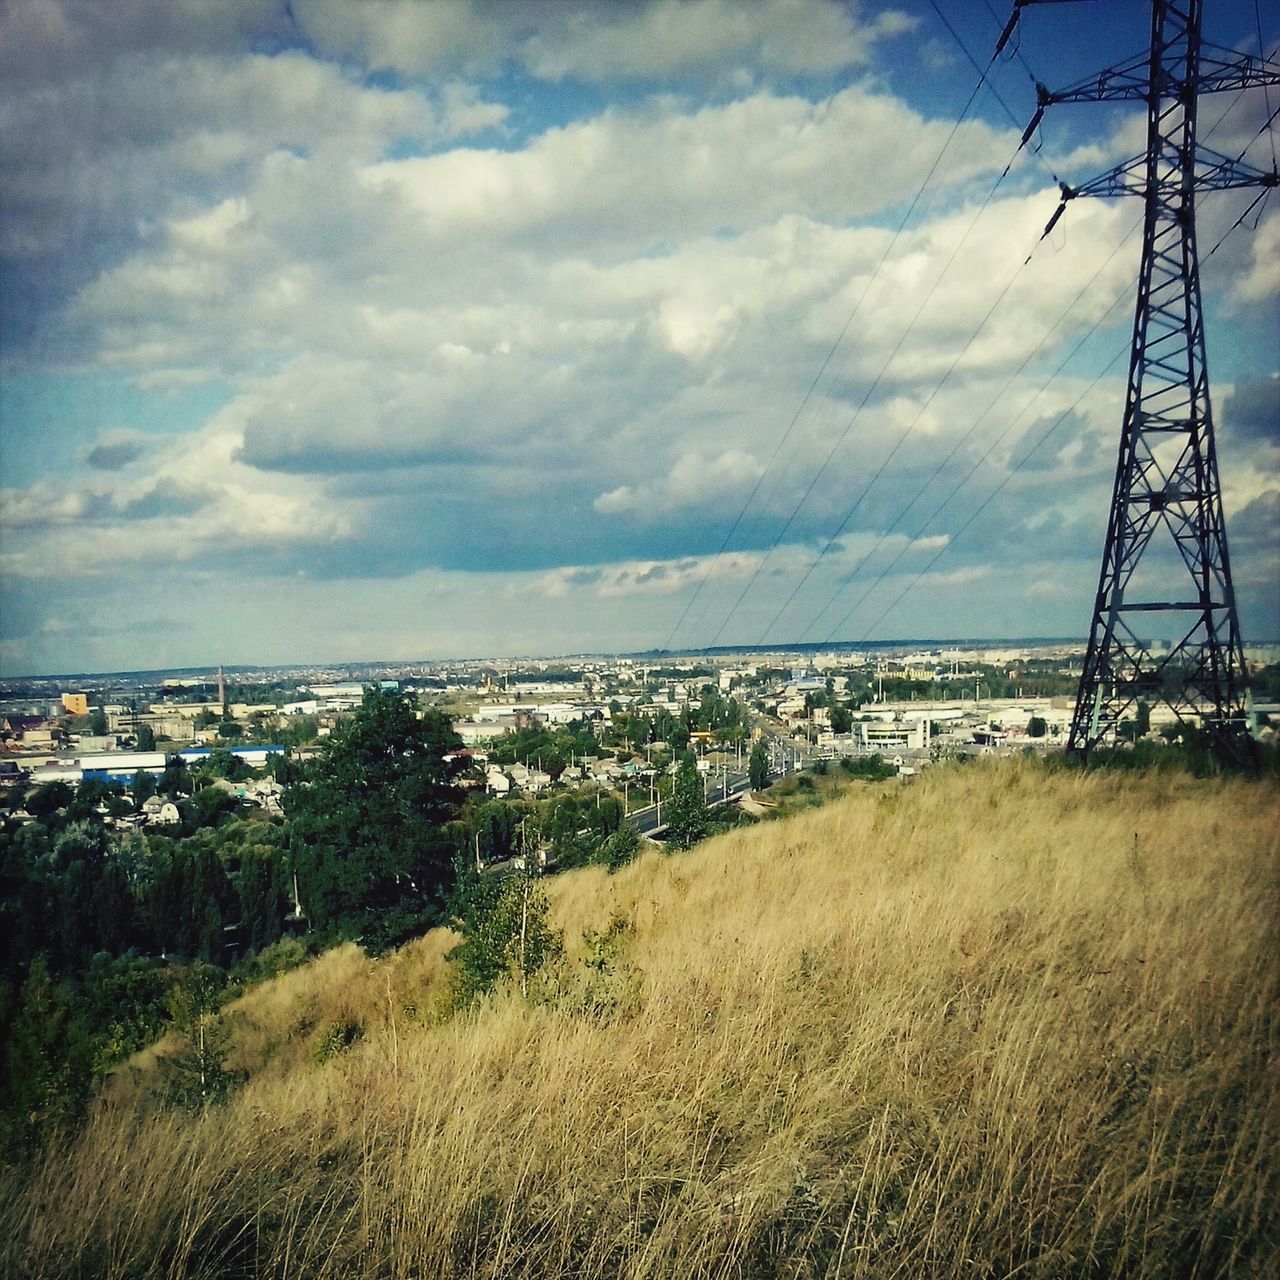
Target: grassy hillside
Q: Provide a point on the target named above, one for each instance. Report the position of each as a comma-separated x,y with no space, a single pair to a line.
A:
1003,1021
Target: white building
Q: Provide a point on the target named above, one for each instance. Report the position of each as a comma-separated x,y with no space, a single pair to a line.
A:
880,736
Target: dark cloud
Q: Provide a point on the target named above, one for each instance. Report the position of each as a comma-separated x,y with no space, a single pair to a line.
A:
162,501
113,456
48,40
1254,539
1252,410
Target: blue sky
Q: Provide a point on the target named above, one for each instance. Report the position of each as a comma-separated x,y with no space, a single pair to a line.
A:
394,329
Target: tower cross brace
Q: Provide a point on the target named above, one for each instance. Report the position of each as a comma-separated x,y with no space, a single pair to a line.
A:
1166,501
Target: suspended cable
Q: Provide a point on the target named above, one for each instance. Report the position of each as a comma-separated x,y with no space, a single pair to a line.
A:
870,391
968,435
1039,444
995,93
991,448
1266,88
835,346
920,492
982,78
953,538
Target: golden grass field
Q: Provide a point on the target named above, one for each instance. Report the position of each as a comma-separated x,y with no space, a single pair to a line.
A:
1005,1021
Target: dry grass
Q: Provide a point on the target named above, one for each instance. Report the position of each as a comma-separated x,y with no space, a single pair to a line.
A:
1002,1022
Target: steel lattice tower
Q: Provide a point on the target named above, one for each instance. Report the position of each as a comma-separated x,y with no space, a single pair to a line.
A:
1165,563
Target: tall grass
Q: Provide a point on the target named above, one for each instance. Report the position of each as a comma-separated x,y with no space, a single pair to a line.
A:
1002,1022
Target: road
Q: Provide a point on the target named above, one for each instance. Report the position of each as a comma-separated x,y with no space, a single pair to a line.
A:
723,788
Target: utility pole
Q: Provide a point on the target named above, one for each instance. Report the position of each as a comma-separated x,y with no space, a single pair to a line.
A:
1164,563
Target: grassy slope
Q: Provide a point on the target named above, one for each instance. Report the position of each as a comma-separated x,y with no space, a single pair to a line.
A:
1001,1021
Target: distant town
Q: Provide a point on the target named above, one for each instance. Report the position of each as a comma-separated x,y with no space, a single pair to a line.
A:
533,725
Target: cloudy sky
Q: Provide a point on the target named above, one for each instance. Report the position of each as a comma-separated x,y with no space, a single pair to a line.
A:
393,329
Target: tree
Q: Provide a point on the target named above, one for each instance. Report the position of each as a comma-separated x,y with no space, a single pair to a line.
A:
618,849
758,766
176,779
97,722
48,798
45,1062
370,831
687,812
224,763
841,719
261,886
91,793
142,788
197,1076
1142,724
1037,727
146,738
506,930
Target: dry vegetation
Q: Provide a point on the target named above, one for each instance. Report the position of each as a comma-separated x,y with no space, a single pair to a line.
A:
1002,1022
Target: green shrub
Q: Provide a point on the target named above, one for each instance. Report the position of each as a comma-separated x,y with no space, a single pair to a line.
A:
337,1037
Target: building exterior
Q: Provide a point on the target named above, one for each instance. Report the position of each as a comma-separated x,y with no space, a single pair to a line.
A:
881,735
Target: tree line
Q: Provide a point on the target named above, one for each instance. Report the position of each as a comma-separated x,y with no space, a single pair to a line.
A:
110,936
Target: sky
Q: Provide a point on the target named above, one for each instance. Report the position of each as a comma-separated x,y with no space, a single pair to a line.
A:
394,330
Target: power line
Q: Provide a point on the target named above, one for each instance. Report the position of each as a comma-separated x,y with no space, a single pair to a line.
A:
982,78
835,346
999,488
911,426
953,538
1009,382
862,404
1266,89
964,439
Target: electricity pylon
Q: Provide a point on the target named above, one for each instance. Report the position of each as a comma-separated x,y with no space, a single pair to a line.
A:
1165,563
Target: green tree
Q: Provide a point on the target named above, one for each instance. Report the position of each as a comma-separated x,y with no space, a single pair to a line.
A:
48,798
262,888
97,727
1037,727
618,849
371,829
46,1062
176,779
506,930
687,819
143,787
208,807
497,826
758,766
224,763
91,793
146,738
841,719
196,1075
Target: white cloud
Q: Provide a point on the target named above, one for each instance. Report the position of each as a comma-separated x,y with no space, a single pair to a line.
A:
186,499
554,40
692,480
113,145
622,181
1263,278
643,577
